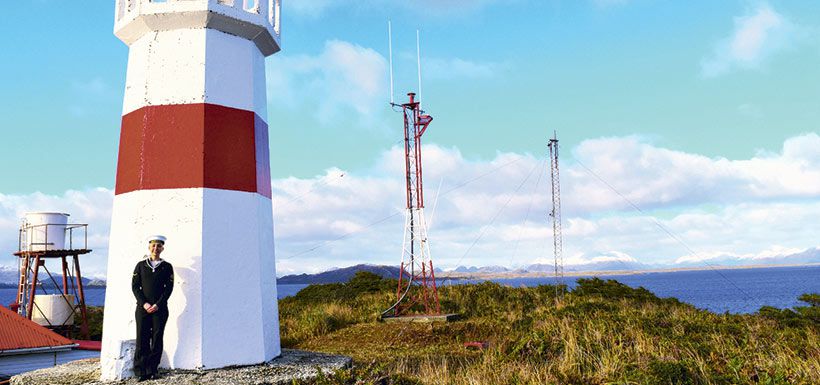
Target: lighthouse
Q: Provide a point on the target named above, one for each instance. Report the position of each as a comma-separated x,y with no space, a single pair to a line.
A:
194,166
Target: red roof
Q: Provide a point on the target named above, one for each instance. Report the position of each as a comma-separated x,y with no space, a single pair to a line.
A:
17,332
88,345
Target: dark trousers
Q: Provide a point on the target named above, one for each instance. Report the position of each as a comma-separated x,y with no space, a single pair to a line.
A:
150,328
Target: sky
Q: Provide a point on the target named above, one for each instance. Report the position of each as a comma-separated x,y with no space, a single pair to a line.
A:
688,130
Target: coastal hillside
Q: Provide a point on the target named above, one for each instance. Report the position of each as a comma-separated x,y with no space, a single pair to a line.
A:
601,332
340,275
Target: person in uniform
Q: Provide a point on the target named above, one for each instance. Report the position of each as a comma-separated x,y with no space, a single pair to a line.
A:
152,284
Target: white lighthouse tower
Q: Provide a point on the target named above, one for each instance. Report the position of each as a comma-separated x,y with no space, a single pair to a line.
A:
194,166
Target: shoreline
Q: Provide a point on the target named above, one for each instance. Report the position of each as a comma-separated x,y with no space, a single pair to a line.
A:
545,274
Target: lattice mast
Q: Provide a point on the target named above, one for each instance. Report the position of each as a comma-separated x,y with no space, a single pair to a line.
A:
555,213
416,290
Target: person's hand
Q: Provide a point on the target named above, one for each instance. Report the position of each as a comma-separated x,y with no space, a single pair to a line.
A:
147,307
153,308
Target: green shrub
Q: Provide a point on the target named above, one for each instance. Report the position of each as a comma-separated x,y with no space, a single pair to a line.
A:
670,372
813,299
319,293
612,290
363,282
95,322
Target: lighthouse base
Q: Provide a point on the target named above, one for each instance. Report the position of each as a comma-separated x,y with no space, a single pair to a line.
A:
223,310
292,365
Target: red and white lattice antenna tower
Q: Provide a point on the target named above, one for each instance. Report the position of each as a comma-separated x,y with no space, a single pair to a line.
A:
416,290
555,213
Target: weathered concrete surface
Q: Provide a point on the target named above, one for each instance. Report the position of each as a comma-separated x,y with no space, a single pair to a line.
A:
291,365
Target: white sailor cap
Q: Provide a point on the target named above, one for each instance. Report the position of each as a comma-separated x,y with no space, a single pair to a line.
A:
156,238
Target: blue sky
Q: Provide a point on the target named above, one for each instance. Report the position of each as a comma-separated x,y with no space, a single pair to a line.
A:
701,109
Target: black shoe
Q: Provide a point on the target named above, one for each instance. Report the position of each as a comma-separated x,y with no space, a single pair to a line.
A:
143,378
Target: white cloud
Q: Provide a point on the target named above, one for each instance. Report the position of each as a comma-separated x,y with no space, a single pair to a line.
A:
344,78
711,204
613,256
494,212
347,81
756,36
773,251
749,231
91,206
590,257
657,177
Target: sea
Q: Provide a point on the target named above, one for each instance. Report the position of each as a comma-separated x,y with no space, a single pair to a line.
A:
718,290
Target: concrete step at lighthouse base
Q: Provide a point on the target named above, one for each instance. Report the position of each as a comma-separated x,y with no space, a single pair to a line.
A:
291,365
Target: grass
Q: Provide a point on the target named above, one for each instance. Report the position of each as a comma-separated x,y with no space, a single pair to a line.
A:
602,332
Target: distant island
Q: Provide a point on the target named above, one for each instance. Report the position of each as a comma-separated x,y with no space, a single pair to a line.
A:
340,275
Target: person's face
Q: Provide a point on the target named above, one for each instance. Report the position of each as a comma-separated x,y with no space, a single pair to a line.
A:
155,248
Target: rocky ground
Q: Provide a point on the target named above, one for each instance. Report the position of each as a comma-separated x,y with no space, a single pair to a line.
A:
291,365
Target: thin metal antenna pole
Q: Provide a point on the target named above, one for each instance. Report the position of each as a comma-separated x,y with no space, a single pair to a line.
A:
556,214
435,204
390,53
418,62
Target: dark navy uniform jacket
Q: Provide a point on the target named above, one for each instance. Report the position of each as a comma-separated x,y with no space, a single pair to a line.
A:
153,286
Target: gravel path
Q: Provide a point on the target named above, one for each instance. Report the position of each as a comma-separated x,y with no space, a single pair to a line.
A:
291,365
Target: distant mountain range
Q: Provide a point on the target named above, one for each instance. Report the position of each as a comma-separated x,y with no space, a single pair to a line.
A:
613,265
485,269
9,279
807,256
8,275
592,266
344,274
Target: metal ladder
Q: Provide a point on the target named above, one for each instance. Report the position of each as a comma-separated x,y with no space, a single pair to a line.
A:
22,267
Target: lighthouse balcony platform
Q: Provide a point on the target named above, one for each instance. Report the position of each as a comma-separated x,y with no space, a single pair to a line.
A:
255,20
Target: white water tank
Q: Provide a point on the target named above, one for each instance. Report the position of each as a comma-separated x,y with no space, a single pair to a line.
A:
53,309
45,231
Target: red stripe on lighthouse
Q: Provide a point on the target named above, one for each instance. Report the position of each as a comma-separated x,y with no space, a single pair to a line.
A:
193,145
262,157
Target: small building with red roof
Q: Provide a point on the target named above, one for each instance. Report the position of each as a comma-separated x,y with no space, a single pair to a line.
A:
26,346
